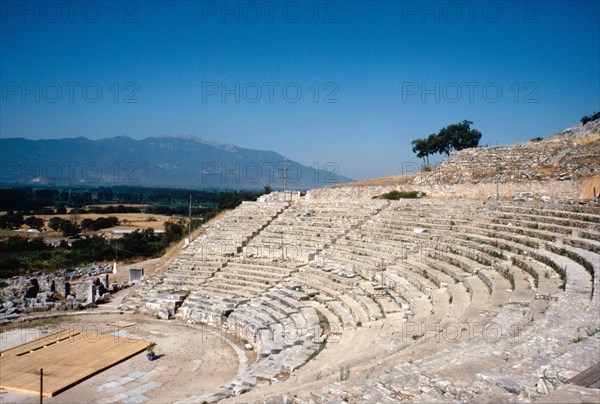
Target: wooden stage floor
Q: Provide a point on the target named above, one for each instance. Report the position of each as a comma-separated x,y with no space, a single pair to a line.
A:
67,357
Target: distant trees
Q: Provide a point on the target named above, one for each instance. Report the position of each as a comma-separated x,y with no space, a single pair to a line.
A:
54,223
457,136
34,222
11,221
69,229
100,223
585,119
141,242
231,199
173,232
114,209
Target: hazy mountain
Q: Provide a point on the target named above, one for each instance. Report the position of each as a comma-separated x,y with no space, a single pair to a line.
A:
177,161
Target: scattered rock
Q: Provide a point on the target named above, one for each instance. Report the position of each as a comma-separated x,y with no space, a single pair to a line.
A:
541,388
550,374
565,375
477,389
442,385
36,292
164,314
509,385
523,196
544,387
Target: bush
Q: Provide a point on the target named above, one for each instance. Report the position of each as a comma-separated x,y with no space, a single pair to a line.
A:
34,222
54,223
396,195
69,229
585,119
11,221
100,223
173,232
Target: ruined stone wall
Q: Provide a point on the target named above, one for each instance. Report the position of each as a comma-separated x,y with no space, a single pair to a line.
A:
551,190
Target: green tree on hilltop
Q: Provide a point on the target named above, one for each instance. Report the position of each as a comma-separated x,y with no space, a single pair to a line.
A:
457,136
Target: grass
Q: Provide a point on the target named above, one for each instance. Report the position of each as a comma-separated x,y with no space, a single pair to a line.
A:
323,321
592,331
344,373
498,255
511,279
563,275
577,339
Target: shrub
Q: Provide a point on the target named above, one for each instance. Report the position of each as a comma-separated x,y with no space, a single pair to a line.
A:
34,222
54,223
396,195
585,119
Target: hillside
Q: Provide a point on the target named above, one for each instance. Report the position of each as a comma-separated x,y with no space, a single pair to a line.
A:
555,167
155,161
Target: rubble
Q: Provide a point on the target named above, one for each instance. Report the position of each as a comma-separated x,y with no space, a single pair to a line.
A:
66,289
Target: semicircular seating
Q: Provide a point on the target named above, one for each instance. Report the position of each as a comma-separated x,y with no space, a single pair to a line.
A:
396,286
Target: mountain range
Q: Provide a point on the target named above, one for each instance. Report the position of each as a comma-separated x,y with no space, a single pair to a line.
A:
172,161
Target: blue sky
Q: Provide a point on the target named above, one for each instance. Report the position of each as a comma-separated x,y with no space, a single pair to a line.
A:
348,82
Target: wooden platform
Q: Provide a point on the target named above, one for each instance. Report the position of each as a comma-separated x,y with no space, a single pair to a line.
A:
67,357
588,378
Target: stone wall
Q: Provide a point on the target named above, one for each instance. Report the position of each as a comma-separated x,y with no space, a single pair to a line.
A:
563,191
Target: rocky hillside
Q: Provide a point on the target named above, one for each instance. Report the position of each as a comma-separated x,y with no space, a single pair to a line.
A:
552,168
574,153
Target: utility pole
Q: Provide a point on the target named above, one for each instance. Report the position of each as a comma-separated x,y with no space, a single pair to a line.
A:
41,385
